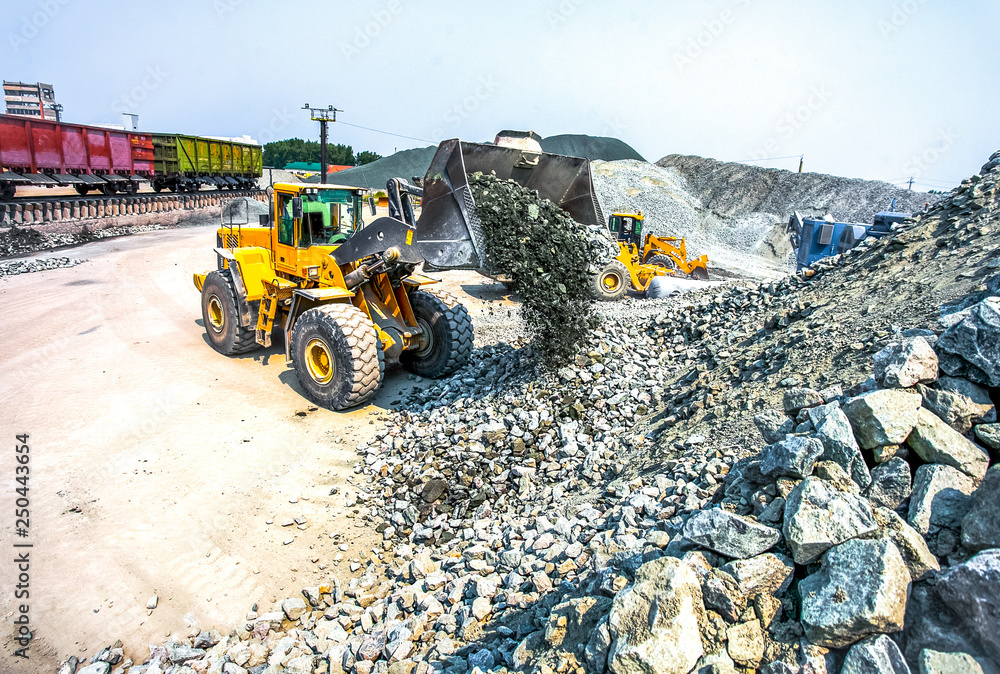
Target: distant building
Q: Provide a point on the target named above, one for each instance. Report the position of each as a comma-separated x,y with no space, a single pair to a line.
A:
30,100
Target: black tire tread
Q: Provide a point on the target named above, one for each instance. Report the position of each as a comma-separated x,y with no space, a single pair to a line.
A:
597,288
459,327
246,338
366,356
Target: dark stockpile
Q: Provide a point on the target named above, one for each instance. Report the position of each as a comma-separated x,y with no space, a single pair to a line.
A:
547,256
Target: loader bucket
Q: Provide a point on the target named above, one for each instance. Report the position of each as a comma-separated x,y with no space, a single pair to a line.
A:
449,234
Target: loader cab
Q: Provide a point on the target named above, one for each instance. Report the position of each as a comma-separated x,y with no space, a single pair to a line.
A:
310,220
627,227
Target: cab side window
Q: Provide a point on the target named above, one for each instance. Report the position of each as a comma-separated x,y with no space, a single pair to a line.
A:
285,222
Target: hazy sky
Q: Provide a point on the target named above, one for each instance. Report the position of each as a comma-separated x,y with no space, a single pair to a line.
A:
864,88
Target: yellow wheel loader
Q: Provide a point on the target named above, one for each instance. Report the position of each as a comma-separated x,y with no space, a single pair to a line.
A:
345,296
640,259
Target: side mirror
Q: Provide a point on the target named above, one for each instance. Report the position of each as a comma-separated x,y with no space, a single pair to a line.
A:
371,204
264,219
297,207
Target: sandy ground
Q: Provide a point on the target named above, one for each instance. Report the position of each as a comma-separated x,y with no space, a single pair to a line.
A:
158,466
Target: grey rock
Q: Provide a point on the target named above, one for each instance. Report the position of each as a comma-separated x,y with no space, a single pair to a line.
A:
970,590
721,593
834,431
728,534
891,484
954,409
941,498
818,517
765,574
971,347
911,545
434,490
860,590
797,399
875,655
483,659
903,364
883,417
96,668
989,435
792,457
974,392
773,425
596,652
981,526
180,653
930,623
937,662
654,623
935,441
294,607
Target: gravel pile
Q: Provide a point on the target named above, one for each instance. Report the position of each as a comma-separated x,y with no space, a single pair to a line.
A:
22,240
738,214
14,267
662,502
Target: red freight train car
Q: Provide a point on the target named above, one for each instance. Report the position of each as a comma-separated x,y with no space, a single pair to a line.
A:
41,152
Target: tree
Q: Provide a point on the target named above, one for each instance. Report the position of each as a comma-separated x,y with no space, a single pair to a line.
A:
367,157
282,152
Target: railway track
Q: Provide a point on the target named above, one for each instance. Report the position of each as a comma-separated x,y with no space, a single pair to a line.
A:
28,211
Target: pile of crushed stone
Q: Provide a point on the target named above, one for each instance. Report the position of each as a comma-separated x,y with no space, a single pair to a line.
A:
738,214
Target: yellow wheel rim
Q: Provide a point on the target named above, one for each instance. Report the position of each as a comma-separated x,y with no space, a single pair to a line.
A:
319,361
216,315
610,282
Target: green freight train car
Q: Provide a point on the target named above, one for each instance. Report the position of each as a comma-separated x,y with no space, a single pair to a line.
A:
185,163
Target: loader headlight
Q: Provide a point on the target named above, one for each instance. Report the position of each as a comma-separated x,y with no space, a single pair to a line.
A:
312,272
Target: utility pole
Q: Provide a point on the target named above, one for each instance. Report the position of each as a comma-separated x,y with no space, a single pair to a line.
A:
57,108
910,185
322,116
802,160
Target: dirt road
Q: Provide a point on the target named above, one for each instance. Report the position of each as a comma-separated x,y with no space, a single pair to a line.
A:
158,466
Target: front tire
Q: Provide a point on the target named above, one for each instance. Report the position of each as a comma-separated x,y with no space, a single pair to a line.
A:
222,319
611,283
337,355
448,334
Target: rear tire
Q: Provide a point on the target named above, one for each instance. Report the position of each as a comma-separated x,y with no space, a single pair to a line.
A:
611,283
448,327
664,261
221,316
337,355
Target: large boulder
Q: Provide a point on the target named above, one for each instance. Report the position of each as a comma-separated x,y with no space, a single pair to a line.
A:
875,655
970,348
654,623
937,662
903,364
773,425
941,498
930,623
955,409
834,431
911,545
934,441
981,525
729,534
891,484
883,417
979,395
792,457
860,590
765,574
972,590
797,399
818,517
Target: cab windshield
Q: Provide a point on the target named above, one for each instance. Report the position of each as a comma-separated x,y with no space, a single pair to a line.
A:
329,217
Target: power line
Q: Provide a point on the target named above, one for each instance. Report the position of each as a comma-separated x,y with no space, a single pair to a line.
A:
388,133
